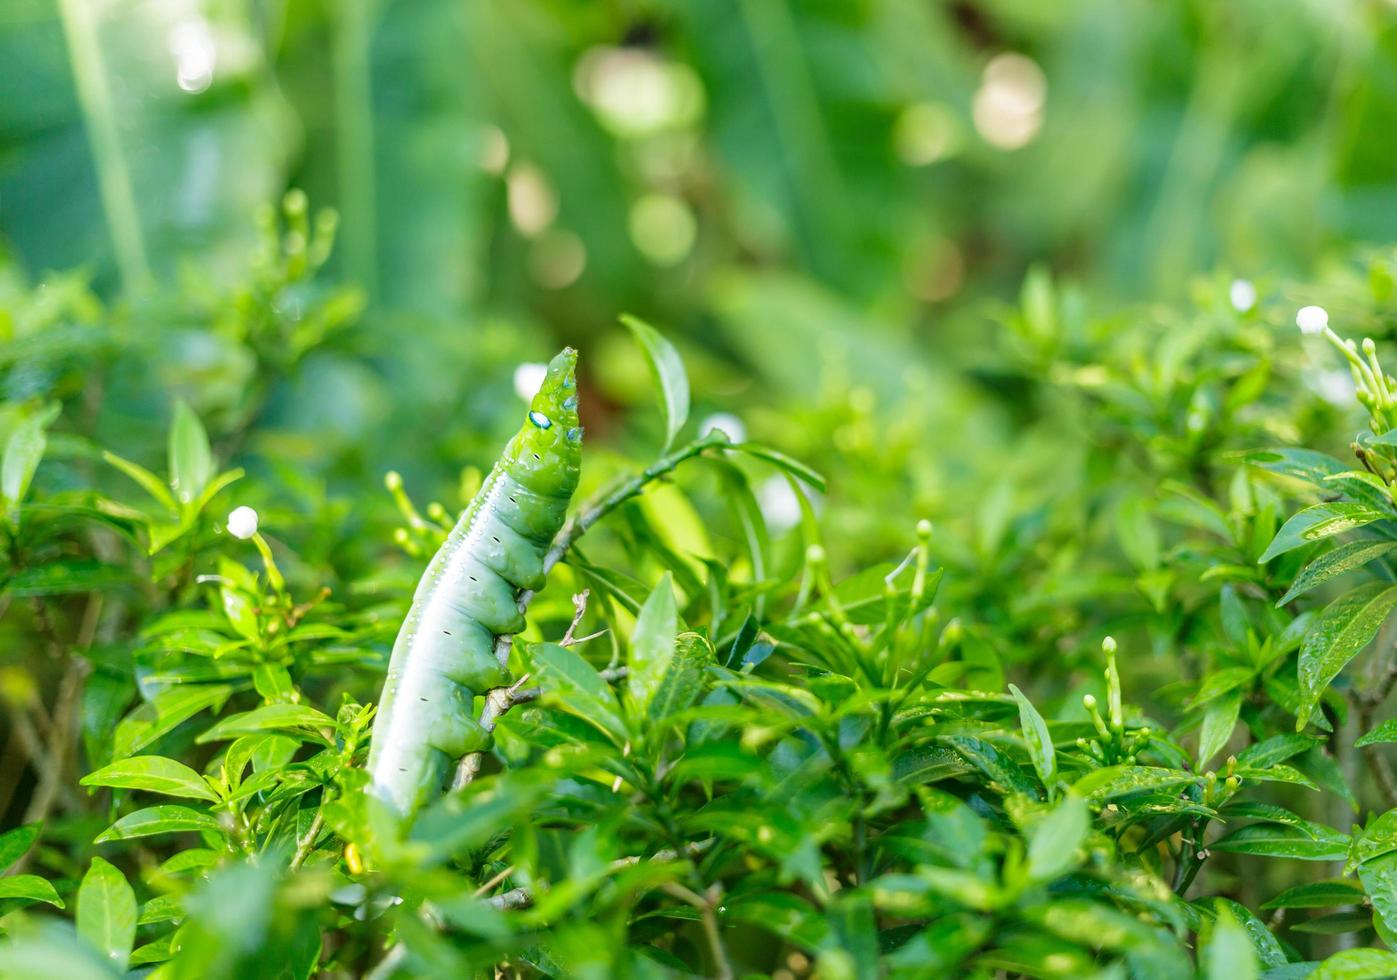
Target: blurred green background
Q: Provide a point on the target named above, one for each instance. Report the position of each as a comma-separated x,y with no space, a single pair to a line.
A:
824,203
696,161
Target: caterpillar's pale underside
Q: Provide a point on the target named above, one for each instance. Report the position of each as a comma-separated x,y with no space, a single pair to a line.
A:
445,652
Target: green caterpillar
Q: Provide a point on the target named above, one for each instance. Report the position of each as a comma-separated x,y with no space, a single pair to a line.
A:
445,652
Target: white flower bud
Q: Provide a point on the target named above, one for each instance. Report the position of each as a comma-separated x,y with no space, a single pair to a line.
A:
242,522
1312,319
1243,295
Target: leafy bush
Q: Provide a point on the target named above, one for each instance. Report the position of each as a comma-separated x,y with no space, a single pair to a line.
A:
758,722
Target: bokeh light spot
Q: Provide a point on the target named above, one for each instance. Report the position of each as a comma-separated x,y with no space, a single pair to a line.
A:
663,228
1008,107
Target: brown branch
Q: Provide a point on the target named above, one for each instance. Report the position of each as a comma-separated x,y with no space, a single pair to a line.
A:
579,609
499,701
50,762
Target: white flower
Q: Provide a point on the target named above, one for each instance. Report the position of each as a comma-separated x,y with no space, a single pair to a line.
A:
1312,319
725,422
528,379
1243,295
242,522
778,503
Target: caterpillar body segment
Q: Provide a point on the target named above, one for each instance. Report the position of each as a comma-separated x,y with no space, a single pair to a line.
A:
445,651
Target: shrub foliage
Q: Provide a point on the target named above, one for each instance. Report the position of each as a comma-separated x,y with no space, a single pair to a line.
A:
1122,711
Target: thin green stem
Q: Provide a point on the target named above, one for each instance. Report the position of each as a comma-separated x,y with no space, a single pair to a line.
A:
354,129
99,118
307,843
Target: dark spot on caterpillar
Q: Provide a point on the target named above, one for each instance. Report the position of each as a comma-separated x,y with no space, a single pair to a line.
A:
401,769
422,699
473,579
537,456
494,539
447,632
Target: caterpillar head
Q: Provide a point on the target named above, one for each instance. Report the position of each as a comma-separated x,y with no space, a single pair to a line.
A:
546,454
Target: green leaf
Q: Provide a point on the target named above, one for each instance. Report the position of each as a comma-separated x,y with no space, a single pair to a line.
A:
1386,732
1320,521
1319,895
273,682
161,908
157,951
106,915
1218,722
1337,923
1275,749
571,682
1233,613
1219,682
1374,840
23,451
1276,774
717,761
14,844
191,459
1040,741
667,369
167,818
147,480
153,773
685,680
783,462
1006,776
66,576
652,644
742,642
270,717
1228,953
1321,471
217,485
239,604
1103,784
1054,844
1346,626
1264,944
1379,877
1280,840
1193,509
165,712
1357,964
29,888
1335,562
